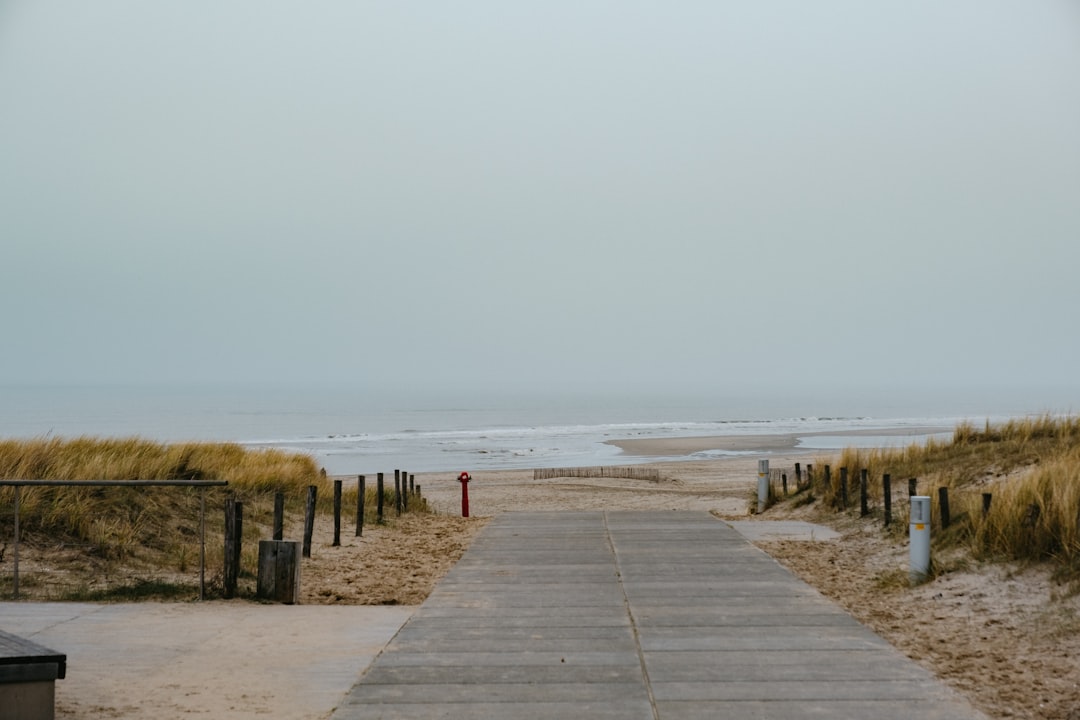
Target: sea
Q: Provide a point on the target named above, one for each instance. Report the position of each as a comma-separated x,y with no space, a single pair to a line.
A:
353,430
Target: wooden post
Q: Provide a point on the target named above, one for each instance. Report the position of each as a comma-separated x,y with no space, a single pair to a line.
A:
912,487
202,544
798,477
943,506
361,490
864,493
279,571
843,487
228,572
887,491
234,528
238,528
279,515
397,491
412,484
810,477
404,491
987,497
783,480
379,496
828,480
309,519
15,550
337,513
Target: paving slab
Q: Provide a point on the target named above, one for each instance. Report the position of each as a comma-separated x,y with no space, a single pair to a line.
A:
651,615
755,530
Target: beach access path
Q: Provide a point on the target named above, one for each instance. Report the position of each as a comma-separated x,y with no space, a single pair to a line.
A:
651,615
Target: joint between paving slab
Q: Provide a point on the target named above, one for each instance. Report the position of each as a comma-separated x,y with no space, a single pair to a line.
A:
633,621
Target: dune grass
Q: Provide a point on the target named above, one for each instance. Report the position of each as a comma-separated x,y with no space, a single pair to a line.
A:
1030,466
152,533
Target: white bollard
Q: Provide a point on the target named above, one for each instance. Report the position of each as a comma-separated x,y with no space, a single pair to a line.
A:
919,544
762,485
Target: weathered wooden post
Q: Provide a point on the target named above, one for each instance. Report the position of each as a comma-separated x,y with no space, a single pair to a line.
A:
412,484
379,497
361,490
309,519
228,572
337,513
864,490
238,541
202,544
404,491
15,550
810,477
783,481
279,515
943,505
886,489
912,487
798,477
279,571
986,498
234,528
843,488
397,492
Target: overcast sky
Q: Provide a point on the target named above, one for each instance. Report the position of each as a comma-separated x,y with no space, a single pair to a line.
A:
548,194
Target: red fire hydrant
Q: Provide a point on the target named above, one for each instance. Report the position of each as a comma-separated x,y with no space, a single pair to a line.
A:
464,479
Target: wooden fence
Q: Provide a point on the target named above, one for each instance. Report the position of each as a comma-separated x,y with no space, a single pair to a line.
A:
630,473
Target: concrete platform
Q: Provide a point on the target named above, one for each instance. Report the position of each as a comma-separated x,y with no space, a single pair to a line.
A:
227,660
657,616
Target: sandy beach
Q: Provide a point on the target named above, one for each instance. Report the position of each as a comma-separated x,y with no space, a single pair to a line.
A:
1004,636
784,444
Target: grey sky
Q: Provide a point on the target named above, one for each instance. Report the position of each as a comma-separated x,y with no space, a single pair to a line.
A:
541,194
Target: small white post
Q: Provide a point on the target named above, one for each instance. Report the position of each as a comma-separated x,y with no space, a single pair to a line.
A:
919,545
762,485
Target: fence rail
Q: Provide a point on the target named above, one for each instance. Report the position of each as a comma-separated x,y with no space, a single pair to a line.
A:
202,484
630,473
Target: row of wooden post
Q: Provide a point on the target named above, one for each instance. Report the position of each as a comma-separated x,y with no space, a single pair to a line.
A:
864,503
404,486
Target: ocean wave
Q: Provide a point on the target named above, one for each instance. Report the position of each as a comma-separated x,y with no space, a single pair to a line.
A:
625,430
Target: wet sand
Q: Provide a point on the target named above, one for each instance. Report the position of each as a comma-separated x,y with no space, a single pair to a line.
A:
781,444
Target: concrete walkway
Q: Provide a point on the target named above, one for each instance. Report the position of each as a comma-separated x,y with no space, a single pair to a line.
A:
665,615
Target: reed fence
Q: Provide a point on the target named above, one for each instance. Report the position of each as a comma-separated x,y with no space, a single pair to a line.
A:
630,473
